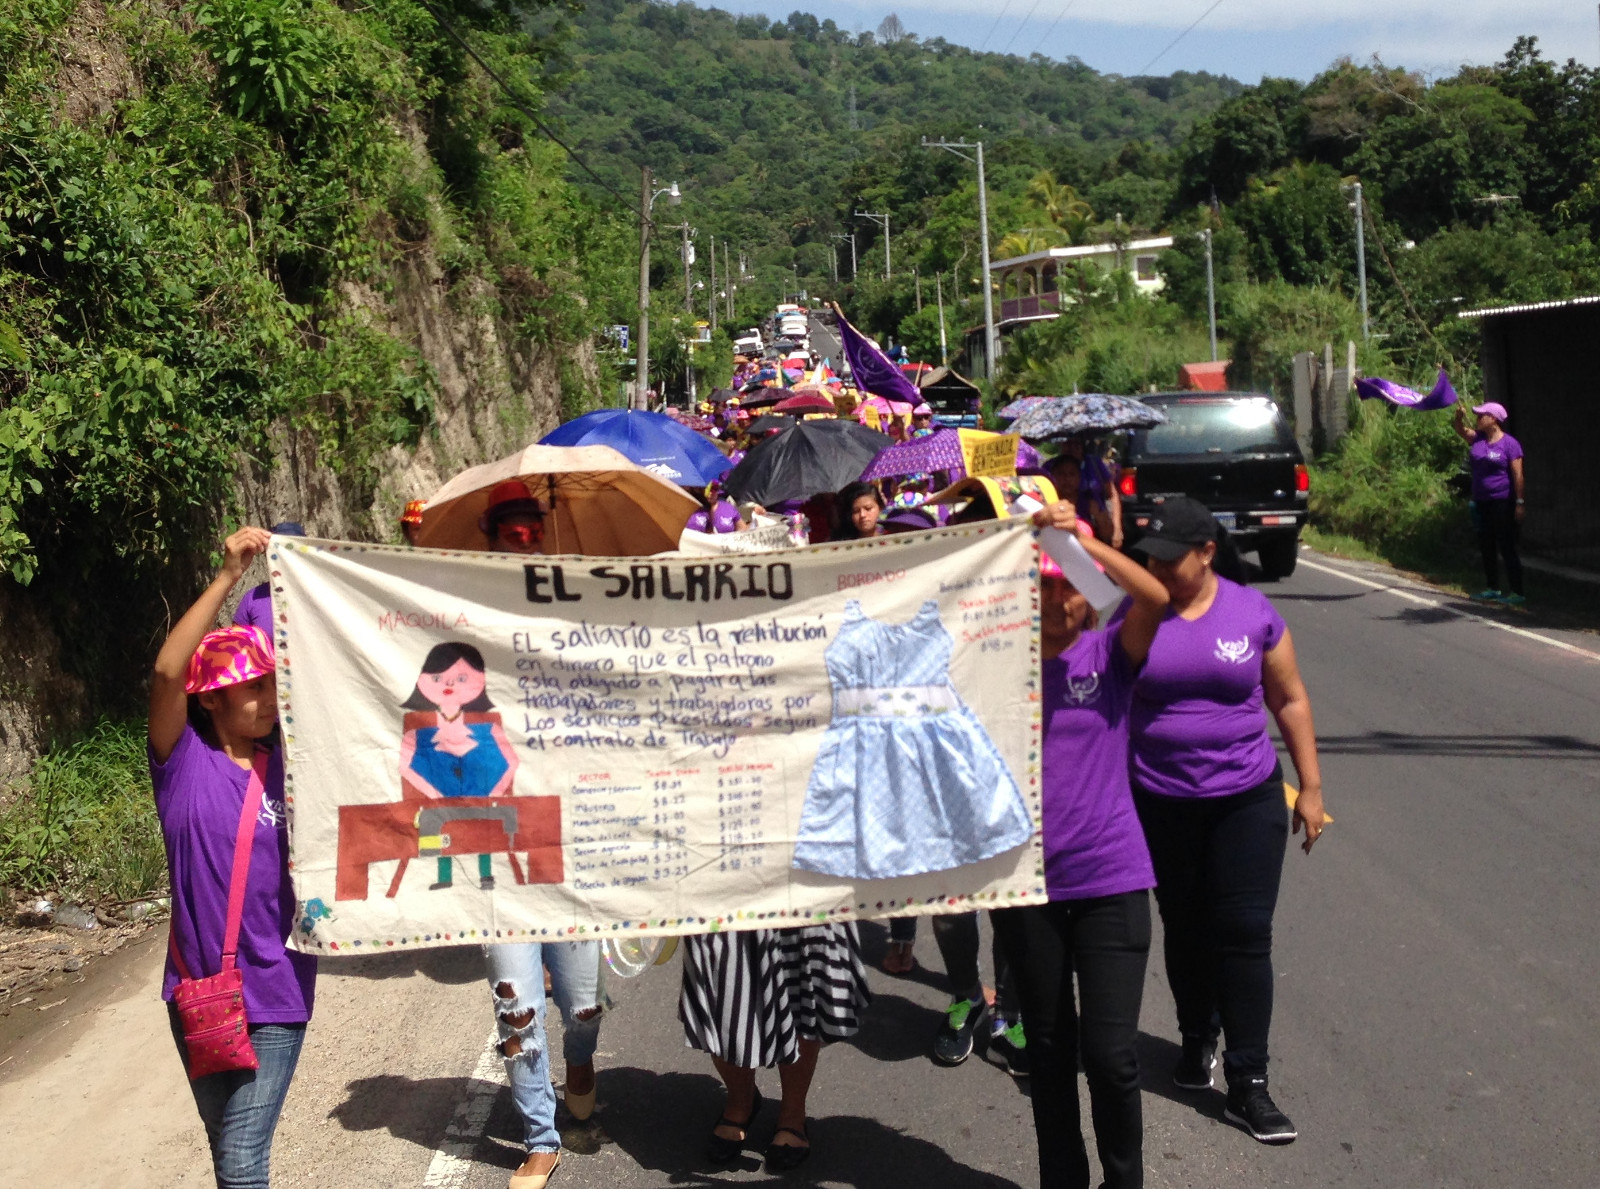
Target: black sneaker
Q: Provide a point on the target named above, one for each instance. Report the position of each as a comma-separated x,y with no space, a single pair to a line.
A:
953,1043
1251,1107
1193,1070
1008,1048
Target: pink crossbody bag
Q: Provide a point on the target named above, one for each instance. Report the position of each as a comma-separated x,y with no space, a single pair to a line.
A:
211,1010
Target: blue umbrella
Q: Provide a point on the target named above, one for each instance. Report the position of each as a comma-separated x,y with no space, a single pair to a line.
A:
653,440
1090,412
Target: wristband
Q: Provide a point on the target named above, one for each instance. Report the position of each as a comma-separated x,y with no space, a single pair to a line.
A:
1522,501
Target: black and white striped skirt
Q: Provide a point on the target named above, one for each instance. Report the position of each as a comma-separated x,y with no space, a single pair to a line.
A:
749,997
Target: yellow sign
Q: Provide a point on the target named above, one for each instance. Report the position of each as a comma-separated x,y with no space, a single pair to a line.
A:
991,456
871,419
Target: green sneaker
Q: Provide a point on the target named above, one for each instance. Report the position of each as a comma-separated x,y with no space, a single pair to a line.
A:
953,1043
1487,596
1513,600
1008,1048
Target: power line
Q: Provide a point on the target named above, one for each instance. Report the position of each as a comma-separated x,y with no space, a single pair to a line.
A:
1217,4
525,109
996,24
1056,22
1021,27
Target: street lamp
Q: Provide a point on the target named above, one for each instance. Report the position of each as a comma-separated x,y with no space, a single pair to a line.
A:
1361,256
954,147
647,202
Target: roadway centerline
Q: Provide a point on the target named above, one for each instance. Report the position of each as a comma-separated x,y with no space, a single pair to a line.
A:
453,1160
1424,601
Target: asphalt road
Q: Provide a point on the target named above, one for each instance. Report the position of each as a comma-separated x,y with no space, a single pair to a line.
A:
1438,979
826,343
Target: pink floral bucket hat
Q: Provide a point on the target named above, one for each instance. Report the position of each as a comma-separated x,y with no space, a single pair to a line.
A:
229,656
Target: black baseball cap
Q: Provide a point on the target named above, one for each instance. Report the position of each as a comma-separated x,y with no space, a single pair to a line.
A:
1177,525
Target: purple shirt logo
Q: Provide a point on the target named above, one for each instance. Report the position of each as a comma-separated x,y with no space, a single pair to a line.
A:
1235,652
1083,691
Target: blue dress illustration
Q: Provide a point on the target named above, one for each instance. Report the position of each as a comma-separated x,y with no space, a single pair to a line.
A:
473,774
907,781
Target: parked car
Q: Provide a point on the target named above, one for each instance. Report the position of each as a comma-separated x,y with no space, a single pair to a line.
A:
749,343
1234,452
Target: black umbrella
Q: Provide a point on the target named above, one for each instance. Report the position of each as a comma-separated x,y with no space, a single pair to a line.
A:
808,458
768,422
722,396
764,397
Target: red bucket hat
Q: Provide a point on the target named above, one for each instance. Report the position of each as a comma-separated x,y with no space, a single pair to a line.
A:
229,656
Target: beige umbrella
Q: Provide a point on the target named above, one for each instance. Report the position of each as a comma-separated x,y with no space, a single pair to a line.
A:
601,504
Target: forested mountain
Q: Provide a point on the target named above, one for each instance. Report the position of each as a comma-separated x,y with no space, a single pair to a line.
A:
779,131
1481,186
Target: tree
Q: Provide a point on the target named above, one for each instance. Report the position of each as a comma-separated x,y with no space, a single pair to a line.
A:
1060,204
891,31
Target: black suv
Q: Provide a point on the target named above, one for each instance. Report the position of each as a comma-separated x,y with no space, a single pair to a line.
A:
1236,454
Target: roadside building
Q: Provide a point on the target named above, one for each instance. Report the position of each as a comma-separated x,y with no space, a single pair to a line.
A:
1537,363
1031,288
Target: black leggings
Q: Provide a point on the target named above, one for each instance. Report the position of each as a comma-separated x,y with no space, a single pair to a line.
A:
1218,861
1498,530
1106,943
959,946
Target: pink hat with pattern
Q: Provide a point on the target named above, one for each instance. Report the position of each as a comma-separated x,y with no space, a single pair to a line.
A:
229,656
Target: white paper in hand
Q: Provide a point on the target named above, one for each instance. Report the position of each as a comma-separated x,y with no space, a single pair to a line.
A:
1068,553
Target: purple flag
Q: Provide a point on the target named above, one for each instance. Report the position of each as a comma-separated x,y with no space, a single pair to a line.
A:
1442,396
870,369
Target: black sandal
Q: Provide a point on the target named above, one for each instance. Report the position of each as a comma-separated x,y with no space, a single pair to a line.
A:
784,1157
719,1149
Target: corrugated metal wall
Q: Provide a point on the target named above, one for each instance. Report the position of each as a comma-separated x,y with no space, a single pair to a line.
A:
1542,366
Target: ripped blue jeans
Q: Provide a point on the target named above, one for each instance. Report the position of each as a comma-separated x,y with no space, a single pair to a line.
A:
516,981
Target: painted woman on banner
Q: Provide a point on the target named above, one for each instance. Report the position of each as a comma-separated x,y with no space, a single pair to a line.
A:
453,743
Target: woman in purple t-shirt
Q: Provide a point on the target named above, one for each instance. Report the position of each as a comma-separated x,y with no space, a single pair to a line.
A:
1097,871
213,704
1209,791
1495,458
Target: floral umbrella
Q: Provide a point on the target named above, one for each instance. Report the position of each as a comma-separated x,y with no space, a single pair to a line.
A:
1065,416
1020,406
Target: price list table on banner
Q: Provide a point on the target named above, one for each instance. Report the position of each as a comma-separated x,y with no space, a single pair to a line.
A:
486,746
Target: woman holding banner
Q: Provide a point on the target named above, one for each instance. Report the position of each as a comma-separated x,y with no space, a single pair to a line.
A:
764,997
514,523
1097,872
217,771
1210,794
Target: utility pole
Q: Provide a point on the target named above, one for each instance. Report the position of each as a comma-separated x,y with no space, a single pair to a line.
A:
944,349
1211,294
916,278
713,283
852,238
954,147
727,274
884,221
1361,258
833,253
647,202
688,259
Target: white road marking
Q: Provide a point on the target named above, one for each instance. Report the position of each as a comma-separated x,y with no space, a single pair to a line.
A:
1423,601
453,1160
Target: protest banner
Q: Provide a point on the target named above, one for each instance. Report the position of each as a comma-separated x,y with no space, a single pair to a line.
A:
493,746
990,455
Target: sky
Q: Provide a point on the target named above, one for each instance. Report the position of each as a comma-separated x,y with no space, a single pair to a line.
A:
1242,38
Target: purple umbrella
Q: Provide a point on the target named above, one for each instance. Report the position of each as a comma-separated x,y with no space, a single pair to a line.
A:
937,451
1442,396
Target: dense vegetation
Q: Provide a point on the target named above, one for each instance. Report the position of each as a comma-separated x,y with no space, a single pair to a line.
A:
201,237
206,235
